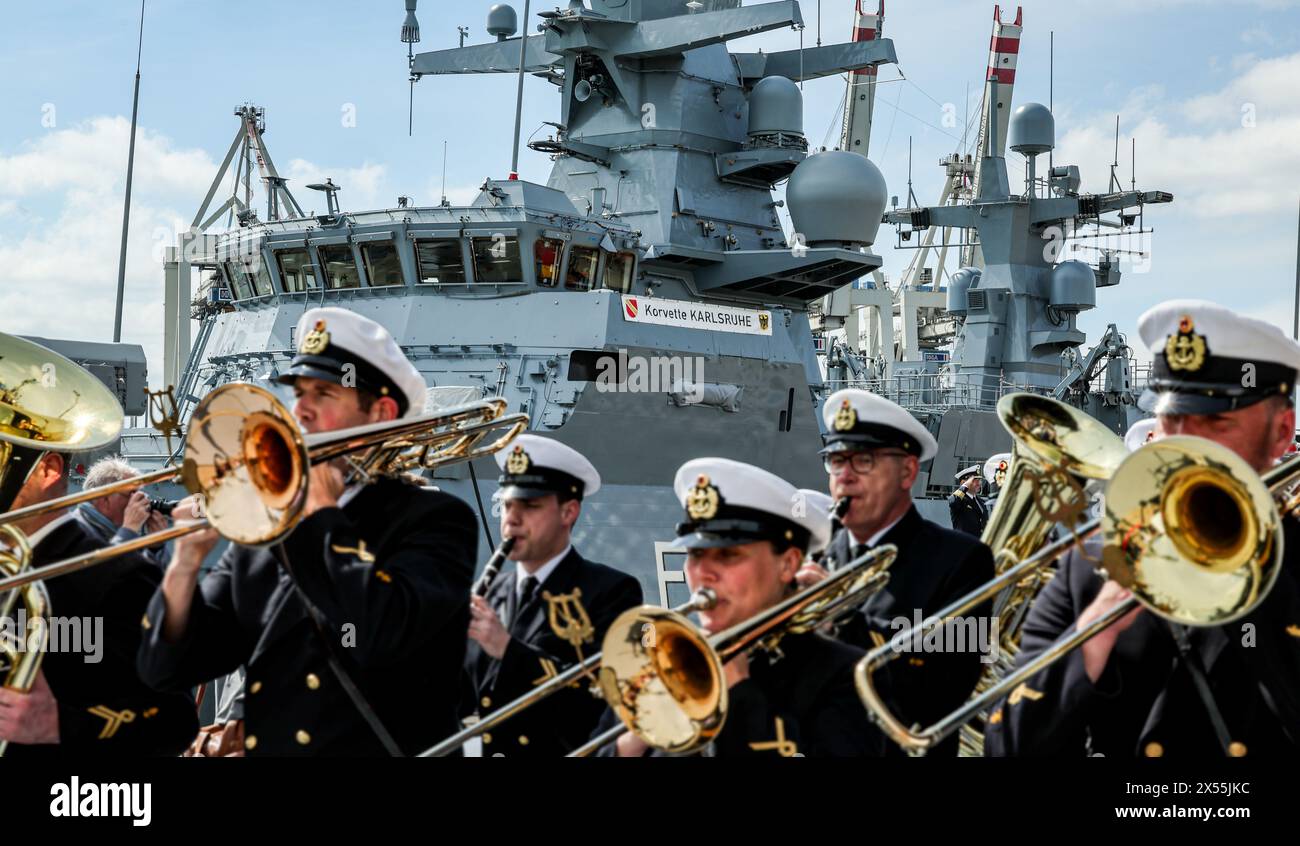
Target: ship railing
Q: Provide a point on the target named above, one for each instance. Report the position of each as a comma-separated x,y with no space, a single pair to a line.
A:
936,392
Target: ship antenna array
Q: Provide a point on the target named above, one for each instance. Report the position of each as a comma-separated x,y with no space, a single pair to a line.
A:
411,37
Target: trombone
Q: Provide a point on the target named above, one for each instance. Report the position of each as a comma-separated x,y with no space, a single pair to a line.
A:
663,677
247,458
1189,528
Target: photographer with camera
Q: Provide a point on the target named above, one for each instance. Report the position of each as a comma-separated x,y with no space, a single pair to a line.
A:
127,515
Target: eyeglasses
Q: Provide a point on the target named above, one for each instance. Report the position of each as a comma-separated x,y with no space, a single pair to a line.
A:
861,462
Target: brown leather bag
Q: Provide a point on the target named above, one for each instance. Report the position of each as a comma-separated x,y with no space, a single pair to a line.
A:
219,740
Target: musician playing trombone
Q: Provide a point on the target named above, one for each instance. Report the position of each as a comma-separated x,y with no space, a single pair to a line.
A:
352,629
746,533
874,449
1144,686
549,611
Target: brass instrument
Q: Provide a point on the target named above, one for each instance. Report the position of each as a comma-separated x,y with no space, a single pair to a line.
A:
664,679
1056,450
246,456
47,404
1189,529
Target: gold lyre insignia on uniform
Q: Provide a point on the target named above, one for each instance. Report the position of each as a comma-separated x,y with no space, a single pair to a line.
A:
568,618
1022,693
1185,350
846,418
784,748
763,319
113,720
315,341
518,462
702,500
360,551
1293,630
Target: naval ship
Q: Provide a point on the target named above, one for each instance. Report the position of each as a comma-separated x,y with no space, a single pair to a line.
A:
648,304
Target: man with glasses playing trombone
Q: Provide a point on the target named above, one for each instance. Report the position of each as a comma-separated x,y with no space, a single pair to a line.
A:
874,449
1144,686
352,633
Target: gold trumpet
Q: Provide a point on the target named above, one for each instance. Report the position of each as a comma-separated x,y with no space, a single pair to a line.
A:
47,404
249,461
1056,450
663,676
1189,528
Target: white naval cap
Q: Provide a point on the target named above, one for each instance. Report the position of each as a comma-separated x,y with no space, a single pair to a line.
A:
338,345
856,419
972,470
729,503
995,465
1207,359
1139,433
822,503
533,466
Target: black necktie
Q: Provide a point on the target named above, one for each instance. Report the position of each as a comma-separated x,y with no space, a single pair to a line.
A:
526,594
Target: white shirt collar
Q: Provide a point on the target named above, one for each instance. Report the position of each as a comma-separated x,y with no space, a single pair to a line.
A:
541,574
874,539
45,531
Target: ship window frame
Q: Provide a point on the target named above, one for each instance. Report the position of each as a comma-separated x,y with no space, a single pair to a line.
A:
310,266
574,249
556,267
237,280
514,264
322,252
610,258
388,243
418,238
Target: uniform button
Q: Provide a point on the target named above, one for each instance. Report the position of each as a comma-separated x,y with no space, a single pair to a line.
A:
254,687
1237,749
302,737
250,742
523,740
487,738
313,681
1154,750
487,703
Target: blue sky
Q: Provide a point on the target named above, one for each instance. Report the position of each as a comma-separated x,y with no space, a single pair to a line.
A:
1184,75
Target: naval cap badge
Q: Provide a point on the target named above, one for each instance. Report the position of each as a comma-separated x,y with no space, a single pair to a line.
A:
702,500
315,341
1186,349
518,462
846,418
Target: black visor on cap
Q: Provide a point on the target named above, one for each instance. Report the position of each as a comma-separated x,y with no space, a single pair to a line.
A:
1178,402
866,436
734,526
539,481
331,365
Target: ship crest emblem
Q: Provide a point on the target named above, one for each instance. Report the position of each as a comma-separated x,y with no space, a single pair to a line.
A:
518,462
702,500
763,320
846,418
1185,350
315,341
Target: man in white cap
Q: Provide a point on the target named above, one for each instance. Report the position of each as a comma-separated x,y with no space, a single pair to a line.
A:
513,646
1144,687
965,505
1140,433
352,632
873,453
746,532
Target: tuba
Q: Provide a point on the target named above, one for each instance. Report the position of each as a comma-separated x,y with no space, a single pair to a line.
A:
47,404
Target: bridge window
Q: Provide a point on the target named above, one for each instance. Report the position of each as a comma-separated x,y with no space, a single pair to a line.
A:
440,261
238,281
618,272
383,267
296,269
250,276
548,252
582,268
496,259
340,266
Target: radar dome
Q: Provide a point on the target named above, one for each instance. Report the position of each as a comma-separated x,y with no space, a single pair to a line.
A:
836,197
775,105
502,21
1074,286
1033,129
958,284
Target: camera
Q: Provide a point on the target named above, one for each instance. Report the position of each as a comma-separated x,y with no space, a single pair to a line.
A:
163,506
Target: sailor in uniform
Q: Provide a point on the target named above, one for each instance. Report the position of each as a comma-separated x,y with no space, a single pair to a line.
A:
351,629
874,449
1141,433
965,504
1145,687
995,476
746,533
514,642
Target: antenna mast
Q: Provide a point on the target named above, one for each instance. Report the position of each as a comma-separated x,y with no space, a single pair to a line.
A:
130,171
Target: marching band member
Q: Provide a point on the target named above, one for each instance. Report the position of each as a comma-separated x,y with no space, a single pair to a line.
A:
745,539
965,504
352,633
513,645
1130,690
87,699
873,453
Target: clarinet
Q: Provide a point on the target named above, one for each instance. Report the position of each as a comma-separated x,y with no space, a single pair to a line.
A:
493,567
838,510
